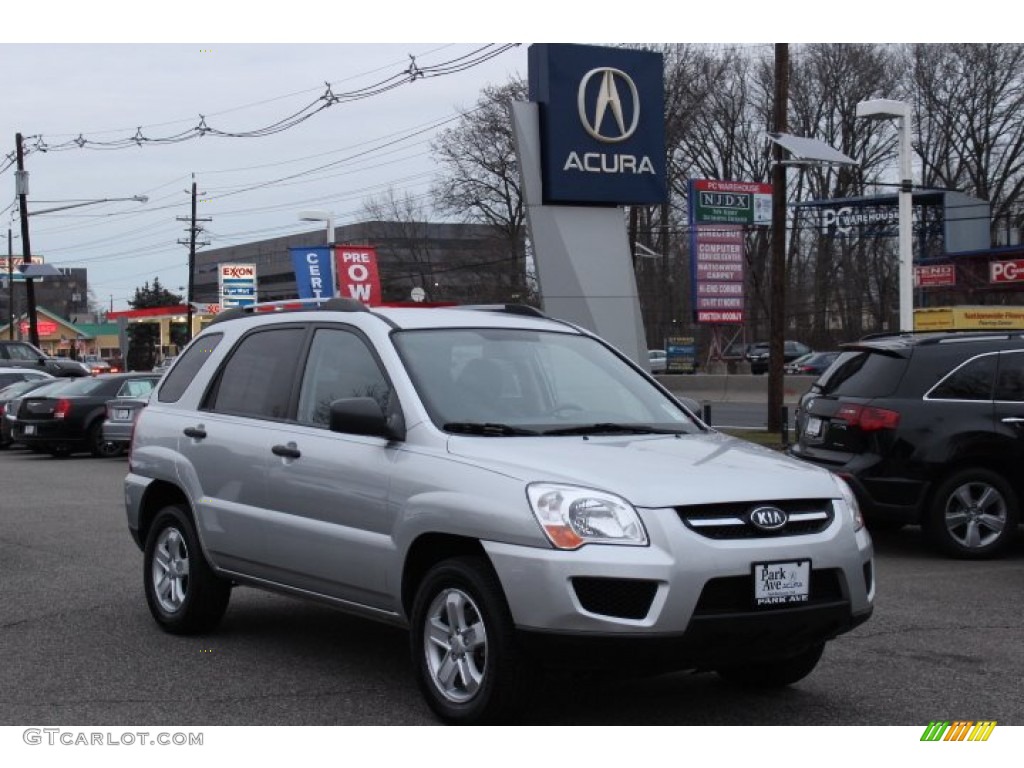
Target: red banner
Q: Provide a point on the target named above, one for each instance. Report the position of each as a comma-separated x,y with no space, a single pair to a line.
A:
1006,271
934,275
356,268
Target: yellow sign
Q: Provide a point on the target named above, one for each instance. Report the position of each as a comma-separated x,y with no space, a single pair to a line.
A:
969,318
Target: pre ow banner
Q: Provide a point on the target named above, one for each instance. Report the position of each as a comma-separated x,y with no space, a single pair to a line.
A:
350,272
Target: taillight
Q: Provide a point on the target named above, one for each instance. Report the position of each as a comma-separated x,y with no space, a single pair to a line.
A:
62,409
868,418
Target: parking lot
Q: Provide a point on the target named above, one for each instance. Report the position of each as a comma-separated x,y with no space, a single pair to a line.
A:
79,645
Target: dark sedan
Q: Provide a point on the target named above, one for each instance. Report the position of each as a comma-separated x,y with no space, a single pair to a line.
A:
71,418
9,398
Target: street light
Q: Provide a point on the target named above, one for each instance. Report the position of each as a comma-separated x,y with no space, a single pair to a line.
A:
321,216
900,110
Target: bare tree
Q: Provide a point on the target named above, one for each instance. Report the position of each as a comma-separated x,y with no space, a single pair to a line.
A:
969,114
479,179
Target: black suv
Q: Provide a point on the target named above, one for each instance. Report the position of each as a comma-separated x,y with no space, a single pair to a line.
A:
927,429
21,354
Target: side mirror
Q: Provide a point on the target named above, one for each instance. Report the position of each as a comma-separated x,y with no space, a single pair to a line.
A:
363,416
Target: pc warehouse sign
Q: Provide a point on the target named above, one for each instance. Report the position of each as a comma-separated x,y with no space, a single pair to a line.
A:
602,124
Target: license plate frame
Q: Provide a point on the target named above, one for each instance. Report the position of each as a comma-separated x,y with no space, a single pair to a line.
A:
781,583
122,414
30,429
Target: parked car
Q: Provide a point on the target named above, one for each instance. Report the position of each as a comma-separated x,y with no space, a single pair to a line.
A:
11,375
508,487
165,364
659,360
9,397
98,365
758,354
120,419
21,354
928,429
812,364
71,419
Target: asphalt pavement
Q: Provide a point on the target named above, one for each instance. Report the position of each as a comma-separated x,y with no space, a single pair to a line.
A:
79,647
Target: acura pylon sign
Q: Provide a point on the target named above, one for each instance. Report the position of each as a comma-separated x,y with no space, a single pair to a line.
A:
602,123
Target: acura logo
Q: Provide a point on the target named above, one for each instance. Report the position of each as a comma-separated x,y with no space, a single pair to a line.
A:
767,518
609,100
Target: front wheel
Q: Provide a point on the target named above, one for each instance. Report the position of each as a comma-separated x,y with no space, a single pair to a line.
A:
774,673
463,645
974,514
184,595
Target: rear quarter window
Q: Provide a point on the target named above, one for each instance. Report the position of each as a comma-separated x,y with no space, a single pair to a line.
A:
863,373
193,359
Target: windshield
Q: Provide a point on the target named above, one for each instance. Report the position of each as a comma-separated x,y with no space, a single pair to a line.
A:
532,382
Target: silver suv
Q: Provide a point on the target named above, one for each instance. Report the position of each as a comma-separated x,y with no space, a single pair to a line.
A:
507,486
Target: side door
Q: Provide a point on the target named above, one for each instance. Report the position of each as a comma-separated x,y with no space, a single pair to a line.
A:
327,493
1009,404
227,444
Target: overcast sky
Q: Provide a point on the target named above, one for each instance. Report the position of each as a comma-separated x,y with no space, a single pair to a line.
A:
108,71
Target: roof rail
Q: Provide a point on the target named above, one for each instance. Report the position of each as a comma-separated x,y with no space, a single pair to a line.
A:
328,304
512,309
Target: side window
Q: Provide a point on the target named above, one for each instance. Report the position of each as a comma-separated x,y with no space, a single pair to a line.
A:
257,378
188,366
339,365
1010,381
135,388
22,352
971,381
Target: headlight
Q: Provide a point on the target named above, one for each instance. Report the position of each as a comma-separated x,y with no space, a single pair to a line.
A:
851,502
573,516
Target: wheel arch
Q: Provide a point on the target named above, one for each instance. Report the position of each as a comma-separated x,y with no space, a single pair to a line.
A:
158,495
426,551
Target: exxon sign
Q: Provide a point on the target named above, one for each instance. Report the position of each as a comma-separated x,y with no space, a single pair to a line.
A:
601,123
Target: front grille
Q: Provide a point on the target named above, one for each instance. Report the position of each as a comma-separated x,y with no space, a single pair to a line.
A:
621,598
735,594
730,521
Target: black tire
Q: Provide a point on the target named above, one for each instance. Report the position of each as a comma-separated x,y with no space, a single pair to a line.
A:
973,515
184,595
775,673
58,450
100,448
486,680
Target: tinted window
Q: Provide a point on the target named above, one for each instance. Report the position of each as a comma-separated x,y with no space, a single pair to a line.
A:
1010,381
22,352
257,378
971,381
863,374
339,366
178,380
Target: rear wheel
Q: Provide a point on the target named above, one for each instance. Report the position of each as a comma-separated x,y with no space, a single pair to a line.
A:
184,595
99,447
974,514
774,673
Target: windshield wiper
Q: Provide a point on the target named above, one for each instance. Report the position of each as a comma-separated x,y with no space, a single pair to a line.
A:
610,427
487,429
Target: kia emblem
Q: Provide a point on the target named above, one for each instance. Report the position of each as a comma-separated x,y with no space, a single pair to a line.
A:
767,518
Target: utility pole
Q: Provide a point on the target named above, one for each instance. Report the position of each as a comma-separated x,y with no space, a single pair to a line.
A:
21,185
777,304
10,282
193,229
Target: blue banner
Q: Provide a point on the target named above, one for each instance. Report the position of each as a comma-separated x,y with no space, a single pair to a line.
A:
314,276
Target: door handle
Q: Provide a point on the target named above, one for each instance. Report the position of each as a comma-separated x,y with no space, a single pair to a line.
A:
286,451
195,432
1013,420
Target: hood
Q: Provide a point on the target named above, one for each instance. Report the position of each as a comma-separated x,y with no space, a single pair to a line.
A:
653,470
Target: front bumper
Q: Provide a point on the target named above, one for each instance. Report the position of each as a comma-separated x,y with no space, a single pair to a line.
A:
686,588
